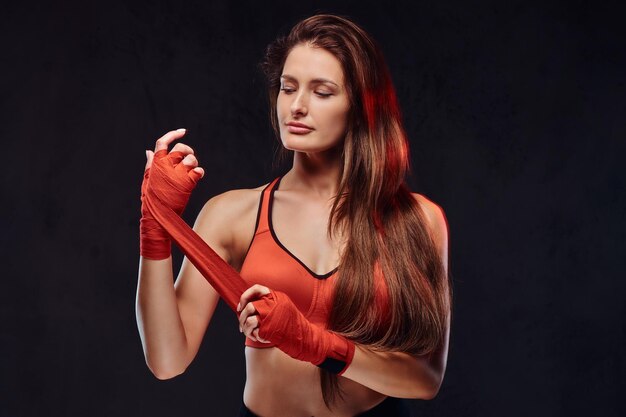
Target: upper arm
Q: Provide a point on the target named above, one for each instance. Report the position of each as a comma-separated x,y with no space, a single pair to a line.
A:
438,228
224,223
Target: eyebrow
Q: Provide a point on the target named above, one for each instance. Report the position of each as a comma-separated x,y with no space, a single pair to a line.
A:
316,80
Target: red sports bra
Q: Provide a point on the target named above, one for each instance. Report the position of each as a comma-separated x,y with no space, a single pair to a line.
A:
271,264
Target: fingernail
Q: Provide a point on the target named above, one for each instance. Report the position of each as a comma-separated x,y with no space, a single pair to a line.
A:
238,306
146,153
240,329
181,130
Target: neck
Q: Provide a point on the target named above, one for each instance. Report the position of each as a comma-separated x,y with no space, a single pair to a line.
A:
316,173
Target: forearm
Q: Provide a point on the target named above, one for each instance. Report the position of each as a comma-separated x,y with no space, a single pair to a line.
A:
395,374
158,319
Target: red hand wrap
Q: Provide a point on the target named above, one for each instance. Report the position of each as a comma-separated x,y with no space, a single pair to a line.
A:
174,183
165,197
165,193
285,326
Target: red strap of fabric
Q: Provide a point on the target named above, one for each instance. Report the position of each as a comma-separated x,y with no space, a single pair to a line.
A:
166,195
154,242
170,186
281,322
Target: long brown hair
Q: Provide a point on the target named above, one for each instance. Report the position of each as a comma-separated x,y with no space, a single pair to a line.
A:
381,220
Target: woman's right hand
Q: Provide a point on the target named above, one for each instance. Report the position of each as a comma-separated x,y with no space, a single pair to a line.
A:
164,141
172,182
181,177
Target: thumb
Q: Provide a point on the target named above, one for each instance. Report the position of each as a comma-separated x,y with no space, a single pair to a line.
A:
149,158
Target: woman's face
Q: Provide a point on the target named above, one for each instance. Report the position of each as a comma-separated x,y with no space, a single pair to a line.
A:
312,105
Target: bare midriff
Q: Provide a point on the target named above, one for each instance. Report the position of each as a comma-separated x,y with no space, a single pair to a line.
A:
278,385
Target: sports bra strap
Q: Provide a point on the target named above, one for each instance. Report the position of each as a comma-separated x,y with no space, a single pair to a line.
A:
263,212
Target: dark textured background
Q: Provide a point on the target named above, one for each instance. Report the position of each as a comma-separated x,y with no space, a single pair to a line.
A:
516,114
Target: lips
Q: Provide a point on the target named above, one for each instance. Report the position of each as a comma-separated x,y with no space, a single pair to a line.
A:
298,124
298,128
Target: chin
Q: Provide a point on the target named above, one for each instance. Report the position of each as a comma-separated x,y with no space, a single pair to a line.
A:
305,144
308,148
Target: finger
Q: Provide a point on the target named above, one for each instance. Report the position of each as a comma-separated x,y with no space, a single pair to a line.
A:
164,141
186,168
149,158
252,293
249,326
255,333
190,161
247,311
181,147
175,156
196,174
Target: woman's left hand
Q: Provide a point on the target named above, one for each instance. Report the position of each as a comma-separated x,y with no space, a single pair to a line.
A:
290,331
248,320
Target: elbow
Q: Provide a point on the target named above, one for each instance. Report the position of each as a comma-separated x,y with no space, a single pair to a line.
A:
428,394
163,375
427,382
427,390
164,372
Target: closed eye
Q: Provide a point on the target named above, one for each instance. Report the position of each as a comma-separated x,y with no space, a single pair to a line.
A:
321,94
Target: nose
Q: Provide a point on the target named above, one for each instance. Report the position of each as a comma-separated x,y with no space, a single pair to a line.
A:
299,104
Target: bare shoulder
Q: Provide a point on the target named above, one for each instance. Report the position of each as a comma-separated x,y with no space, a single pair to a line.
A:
227,221
433,212
232,204
436,218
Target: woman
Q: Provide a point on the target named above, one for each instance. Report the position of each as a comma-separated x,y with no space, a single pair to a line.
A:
355,264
